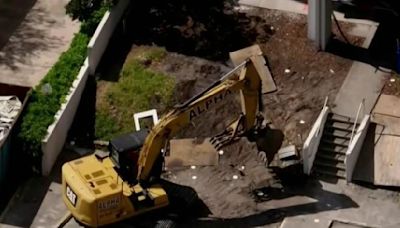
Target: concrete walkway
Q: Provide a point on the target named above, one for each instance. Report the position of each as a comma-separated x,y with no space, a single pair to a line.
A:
44,33
362,82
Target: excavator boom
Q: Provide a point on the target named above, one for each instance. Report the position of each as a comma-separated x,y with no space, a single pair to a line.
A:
248,83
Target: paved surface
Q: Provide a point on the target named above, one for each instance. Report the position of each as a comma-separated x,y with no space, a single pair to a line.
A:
362,82
37,39
37,201
372,207
321,203
52,210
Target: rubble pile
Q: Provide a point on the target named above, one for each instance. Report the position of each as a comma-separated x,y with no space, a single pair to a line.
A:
10,106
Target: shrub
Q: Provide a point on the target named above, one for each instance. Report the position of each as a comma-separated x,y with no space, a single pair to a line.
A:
46,98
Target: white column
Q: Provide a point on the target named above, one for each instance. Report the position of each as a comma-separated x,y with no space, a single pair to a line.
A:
319,22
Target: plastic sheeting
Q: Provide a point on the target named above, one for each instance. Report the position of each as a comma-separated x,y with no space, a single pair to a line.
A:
10,106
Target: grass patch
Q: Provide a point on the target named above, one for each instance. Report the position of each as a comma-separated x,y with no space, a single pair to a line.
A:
139,88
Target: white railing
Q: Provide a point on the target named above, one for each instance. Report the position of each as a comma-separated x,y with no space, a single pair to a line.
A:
311,144
362,105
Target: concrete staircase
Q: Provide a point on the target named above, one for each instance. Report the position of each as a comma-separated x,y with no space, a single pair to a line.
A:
329,160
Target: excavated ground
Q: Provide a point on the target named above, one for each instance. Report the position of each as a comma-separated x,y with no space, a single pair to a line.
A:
291,110
197,56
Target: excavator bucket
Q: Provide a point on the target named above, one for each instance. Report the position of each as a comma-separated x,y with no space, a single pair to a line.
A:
237,57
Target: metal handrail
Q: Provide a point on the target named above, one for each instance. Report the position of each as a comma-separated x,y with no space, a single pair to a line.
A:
362,104
319,126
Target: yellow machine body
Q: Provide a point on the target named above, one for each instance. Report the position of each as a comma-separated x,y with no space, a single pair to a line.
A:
97,196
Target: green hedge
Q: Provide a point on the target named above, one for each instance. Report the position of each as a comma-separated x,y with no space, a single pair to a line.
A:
46,98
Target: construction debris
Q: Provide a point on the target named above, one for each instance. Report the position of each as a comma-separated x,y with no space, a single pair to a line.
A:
10,106
287,152
237,57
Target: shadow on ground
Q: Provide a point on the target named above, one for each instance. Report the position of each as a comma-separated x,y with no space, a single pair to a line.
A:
21,38
12,13
382,50
325,201
26,202
209,29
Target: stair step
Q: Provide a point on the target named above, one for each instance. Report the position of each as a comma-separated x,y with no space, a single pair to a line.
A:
340,117
338,134
325,142
331,172
332,128
336,140
340,125
339,121
330,164
332,150
331,156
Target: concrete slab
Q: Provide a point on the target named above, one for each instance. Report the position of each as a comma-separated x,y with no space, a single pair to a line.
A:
363,82
187,152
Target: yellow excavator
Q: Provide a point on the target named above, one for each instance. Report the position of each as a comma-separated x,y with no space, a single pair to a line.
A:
104,188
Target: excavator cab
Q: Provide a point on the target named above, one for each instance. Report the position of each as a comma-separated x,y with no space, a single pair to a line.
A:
124,153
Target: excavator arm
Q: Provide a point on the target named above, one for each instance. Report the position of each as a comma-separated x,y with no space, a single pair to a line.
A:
247,83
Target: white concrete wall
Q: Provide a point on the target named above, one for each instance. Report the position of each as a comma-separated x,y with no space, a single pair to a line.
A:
311,144
319,22
103,33
57,132
53,143
355,147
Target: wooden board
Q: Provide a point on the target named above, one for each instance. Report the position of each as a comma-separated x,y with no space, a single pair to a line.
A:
387,151
387,105
187,152
237,57
383,148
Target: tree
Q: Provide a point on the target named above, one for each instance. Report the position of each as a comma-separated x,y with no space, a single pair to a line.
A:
83,9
